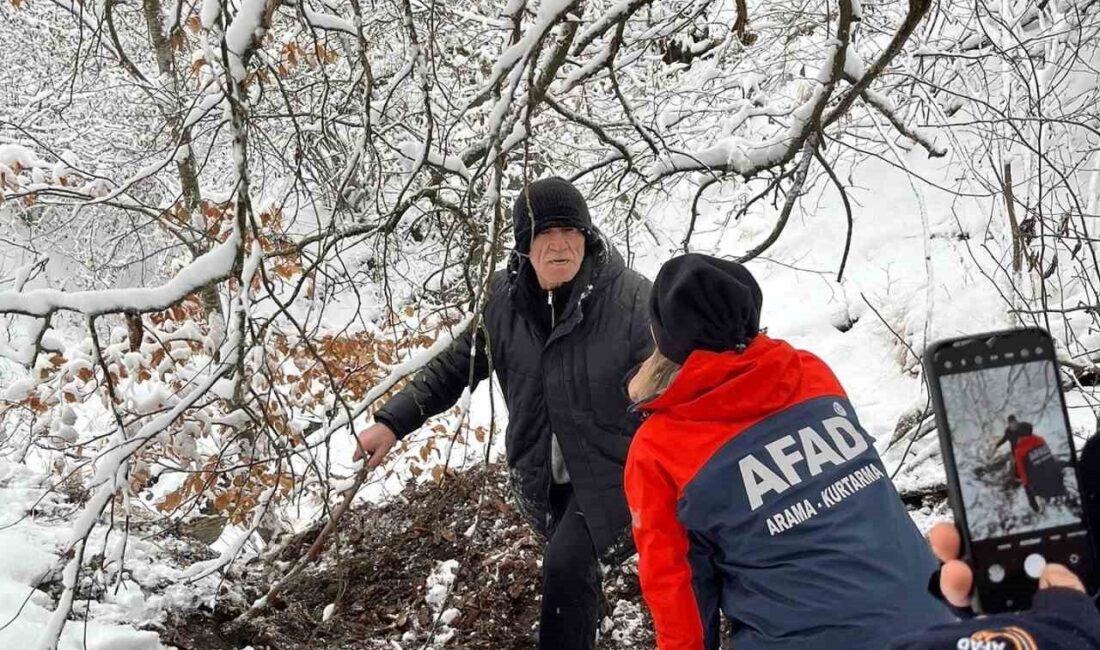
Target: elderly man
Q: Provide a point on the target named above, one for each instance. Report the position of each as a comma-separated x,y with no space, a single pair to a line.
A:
564,324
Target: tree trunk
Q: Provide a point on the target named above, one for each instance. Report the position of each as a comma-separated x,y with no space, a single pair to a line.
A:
185,166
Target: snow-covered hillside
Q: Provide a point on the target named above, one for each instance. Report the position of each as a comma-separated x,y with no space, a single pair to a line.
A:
228,229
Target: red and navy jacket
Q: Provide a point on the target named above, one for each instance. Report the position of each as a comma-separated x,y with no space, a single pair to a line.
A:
754,490
1020,451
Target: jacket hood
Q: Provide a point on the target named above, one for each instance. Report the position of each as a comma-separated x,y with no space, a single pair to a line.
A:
713,386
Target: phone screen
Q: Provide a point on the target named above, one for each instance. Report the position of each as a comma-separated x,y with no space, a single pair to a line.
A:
1015,474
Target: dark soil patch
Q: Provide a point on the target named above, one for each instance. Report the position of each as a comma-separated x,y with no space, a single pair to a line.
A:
376,571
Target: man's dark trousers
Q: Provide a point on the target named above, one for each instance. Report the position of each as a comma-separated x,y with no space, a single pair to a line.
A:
571,578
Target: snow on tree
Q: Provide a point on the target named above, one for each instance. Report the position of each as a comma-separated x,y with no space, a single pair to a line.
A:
229,228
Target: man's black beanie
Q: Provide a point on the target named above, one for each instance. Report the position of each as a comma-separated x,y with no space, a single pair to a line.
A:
546,203
700,302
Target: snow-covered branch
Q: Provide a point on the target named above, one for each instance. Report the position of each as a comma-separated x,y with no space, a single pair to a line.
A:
890,111
214,266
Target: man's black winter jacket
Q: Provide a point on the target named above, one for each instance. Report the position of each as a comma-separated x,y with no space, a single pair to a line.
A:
570,383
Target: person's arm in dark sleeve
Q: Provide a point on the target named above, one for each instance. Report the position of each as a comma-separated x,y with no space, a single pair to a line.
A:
437,386
1060,619
641,344
641,338
1069,612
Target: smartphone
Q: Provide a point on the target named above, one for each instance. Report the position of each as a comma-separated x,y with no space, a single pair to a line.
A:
1010,462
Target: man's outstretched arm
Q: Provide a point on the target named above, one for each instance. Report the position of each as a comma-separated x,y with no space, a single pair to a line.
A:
433,390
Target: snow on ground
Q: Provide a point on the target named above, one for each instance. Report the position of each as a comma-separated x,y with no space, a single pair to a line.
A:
438,592
135,584
910,278
917,271
32,531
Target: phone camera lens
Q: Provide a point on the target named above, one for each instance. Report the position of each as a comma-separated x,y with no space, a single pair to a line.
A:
996,574
978,360
1025,353
947,365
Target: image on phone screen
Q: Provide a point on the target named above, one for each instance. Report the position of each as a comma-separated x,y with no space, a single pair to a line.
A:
1011,450
1016,479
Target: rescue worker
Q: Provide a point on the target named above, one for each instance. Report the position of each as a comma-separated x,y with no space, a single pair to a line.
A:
753,488
1035,467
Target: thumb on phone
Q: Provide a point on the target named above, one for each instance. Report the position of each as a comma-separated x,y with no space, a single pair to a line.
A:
1057,575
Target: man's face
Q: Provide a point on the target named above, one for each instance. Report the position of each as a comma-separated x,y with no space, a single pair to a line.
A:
556,254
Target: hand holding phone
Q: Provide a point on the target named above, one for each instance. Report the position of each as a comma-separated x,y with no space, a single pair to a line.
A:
957,579
1062,618
1010,463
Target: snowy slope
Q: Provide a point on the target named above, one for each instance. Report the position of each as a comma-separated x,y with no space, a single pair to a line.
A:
915,273
33,528
907,262
912,275
926,261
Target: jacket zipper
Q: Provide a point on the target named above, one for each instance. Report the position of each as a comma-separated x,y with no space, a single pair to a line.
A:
550,442
550,452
